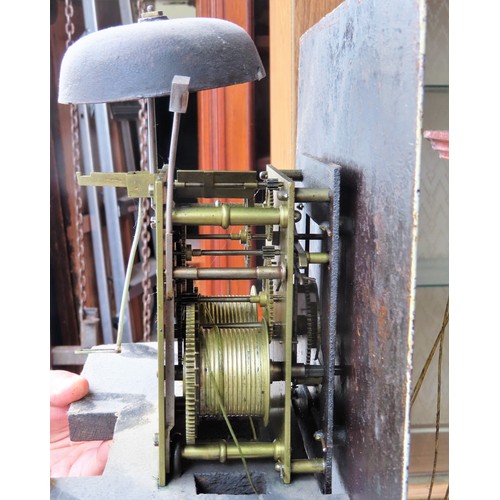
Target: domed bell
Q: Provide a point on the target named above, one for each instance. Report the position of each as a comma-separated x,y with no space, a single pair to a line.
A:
134,61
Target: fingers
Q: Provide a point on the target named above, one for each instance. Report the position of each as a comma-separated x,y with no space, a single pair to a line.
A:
59,427
79,459
93,461
102,457
66,387
68,458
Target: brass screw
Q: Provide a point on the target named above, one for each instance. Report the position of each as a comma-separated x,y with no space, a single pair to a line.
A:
280,468
320,436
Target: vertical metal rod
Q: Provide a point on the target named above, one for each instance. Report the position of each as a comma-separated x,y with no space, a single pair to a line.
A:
169,207
90,15
158,197
179,96
125,11
127,145
152,153
95,229
171,171
112,211
130,265
308,230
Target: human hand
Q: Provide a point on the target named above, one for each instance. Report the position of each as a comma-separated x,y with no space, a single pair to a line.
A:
68,458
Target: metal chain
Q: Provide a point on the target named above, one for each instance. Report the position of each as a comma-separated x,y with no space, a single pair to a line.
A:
70,27
139,6
145,234
75,146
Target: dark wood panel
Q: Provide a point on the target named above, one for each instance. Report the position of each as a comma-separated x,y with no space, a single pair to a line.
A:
351,100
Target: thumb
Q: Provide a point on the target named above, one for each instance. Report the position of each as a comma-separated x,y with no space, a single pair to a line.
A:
66,387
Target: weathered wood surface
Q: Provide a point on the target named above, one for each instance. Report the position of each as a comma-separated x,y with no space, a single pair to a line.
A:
360,107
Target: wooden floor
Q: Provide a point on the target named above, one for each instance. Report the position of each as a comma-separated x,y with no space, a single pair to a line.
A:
421,462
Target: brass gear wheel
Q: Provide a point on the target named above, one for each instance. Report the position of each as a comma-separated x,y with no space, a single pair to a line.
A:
269,203
311,292
269,310
220,313
234,367
308,289
190,374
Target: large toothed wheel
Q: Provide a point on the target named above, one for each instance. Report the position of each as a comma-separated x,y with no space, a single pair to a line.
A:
269,309
190,374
